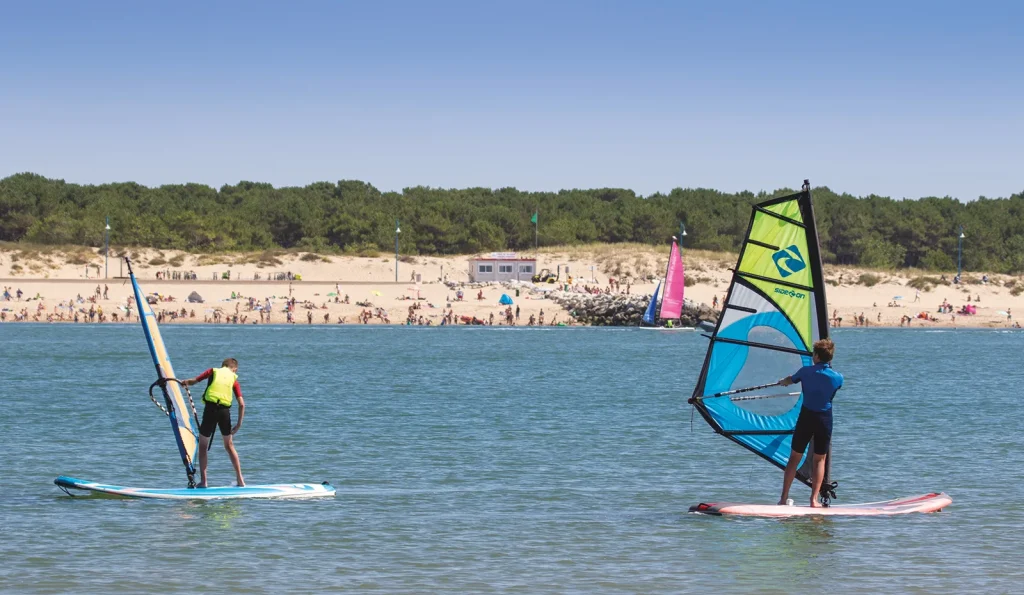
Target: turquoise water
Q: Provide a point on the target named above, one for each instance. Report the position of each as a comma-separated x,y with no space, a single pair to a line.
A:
495,459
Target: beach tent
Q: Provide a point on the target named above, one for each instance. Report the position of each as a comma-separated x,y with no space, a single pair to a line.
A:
505,300
194,298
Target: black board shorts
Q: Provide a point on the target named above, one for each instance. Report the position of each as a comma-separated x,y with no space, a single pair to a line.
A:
812,424
215,416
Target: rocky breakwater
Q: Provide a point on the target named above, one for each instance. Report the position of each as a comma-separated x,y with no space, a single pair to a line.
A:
624,310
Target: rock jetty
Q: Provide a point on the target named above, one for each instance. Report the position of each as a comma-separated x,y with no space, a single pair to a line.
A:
623,310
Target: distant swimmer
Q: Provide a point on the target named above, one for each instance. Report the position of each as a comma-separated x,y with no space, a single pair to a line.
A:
820,384
222,384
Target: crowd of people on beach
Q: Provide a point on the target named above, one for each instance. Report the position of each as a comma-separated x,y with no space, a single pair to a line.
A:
251,310
72,310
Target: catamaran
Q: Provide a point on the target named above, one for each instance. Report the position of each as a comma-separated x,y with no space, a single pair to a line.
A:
184,423
672,300
774,311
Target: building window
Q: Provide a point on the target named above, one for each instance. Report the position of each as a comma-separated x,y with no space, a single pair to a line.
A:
485,268
526,268
504,268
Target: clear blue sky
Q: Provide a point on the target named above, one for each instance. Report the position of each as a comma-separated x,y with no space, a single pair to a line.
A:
905,99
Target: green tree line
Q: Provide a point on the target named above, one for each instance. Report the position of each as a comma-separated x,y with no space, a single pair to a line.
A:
355,217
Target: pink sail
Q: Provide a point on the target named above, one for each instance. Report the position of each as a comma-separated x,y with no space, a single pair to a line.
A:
672,299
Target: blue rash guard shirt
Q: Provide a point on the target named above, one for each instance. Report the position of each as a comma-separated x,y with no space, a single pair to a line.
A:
820,383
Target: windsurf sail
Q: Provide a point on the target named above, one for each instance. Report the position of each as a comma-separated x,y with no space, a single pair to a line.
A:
774,311
178,411
649,315
672,300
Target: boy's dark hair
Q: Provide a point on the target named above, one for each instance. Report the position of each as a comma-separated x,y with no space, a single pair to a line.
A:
233,363
825,349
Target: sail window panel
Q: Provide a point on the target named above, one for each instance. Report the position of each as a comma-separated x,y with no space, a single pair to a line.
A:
733,367
775,409
769,366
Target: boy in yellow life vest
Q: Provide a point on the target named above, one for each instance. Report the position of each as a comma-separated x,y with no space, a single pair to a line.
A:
222,384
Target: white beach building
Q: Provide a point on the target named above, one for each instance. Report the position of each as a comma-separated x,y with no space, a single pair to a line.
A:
501,266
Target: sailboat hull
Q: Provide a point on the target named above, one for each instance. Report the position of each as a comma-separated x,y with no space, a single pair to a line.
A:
288,490
924,503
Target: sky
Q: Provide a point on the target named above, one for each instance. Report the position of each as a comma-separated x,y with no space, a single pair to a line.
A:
901,99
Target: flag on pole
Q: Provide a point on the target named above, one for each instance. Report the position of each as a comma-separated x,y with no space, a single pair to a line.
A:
535,234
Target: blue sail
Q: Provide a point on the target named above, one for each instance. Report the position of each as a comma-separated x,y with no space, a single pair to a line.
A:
649,316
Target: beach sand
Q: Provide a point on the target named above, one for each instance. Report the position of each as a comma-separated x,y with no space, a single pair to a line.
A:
61,275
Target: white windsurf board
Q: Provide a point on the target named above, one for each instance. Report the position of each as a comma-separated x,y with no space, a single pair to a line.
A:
933,502
286,490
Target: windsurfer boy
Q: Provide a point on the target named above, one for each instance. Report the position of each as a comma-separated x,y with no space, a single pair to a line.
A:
820,383
222,384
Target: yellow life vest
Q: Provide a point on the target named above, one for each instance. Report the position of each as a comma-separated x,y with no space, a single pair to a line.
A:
220,389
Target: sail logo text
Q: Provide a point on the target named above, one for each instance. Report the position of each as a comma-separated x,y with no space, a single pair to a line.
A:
789,261
791,293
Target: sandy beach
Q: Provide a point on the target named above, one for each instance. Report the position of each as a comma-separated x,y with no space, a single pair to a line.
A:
52,279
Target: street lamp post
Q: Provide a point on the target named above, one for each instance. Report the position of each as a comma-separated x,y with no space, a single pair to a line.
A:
682,234
106,247
959,252
398,230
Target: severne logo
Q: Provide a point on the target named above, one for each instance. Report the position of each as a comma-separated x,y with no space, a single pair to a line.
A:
789,261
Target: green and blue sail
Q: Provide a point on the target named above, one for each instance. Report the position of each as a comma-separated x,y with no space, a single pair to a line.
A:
774,311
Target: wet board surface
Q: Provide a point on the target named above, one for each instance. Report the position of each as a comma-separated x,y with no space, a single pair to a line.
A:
285,490
933,502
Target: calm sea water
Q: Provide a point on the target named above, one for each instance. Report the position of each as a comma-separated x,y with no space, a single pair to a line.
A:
500,460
